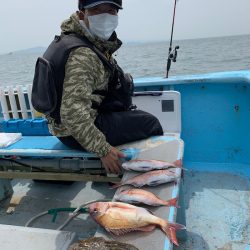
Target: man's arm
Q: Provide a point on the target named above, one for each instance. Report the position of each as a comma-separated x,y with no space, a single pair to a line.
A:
83,70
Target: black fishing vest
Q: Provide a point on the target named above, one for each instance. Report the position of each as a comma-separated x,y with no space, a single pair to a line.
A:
50,72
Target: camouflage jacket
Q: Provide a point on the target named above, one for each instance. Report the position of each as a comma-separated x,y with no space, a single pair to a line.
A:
84,73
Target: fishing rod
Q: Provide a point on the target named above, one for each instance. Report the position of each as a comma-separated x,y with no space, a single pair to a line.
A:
172,53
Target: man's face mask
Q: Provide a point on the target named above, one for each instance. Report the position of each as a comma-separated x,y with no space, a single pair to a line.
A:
103,25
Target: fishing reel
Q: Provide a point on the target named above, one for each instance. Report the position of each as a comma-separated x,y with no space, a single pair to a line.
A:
173,54
172,57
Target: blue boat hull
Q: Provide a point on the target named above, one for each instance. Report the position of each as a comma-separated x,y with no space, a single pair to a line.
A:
215,114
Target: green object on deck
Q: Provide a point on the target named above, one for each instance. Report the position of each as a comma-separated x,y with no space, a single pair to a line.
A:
55,211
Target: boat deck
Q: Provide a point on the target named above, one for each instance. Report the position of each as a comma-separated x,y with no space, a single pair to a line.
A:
217,197
32,198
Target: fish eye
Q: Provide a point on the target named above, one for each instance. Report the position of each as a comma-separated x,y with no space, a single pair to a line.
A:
95,210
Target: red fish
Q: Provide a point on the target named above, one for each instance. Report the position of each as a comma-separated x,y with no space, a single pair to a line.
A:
149,165
140,196
120,218
152,178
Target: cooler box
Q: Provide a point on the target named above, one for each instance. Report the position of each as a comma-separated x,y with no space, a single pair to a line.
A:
35,127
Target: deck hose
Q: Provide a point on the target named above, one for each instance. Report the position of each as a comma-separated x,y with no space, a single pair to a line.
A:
83,209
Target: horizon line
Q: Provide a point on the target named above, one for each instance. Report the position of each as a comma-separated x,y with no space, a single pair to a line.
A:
131,41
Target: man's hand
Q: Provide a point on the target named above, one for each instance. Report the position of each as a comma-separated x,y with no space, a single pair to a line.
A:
111,161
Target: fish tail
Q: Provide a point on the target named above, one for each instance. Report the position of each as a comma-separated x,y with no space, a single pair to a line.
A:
170,230
172,202
178,163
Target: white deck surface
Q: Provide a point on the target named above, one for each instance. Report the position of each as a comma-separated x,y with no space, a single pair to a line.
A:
15,238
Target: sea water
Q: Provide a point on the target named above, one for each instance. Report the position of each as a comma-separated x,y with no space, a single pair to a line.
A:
195,56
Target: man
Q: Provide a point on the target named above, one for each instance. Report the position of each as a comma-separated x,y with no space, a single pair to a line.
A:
83,126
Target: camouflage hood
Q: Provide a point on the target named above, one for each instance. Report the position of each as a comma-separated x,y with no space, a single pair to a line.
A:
72,25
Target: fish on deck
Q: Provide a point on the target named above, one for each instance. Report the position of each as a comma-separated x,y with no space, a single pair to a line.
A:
152,178
120,218
99,243
149,165
140,196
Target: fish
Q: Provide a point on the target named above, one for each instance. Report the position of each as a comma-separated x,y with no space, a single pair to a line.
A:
152,178
99,243
120,218
140,196
149,165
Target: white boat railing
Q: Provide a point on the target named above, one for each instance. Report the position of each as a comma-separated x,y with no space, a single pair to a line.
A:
16,102
165,105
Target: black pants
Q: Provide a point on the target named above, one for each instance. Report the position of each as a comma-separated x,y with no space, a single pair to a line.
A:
122,127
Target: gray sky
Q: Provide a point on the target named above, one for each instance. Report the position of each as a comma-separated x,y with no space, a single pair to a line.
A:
31,23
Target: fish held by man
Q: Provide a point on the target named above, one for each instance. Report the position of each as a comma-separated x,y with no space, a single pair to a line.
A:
152,178
149,165
140,196
120,218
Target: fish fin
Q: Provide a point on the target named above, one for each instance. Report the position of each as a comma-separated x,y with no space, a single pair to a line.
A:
120,191
144,169
170,230
137,185
122,205
118,232
128,230
123,184
173,202
154,183
149,211
146,228
110,231
179,164
173,172
116,186
116,197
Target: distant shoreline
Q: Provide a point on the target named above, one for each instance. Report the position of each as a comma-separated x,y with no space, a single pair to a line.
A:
41,49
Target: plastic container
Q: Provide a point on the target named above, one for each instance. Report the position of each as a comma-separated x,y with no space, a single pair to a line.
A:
30,127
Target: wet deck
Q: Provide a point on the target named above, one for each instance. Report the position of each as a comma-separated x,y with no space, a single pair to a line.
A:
217,200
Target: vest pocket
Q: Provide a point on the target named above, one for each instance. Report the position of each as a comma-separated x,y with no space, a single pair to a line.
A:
44,95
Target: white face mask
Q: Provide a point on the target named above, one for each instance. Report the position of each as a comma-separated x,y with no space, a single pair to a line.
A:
103,25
